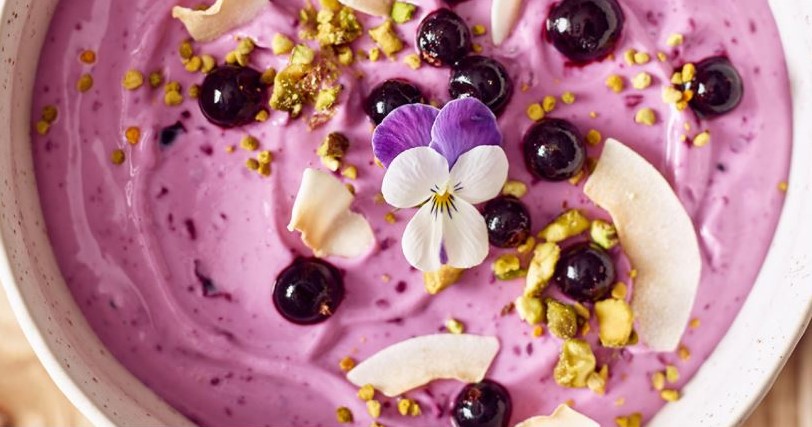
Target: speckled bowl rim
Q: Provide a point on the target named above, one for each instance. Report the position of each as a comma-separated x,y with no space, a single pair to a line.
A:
724,392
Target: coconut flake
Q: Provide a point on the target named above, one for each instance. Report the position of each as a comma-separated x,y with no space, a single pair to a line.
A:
370,7
322,214
657,235
504,14
563,416
418,361
220,18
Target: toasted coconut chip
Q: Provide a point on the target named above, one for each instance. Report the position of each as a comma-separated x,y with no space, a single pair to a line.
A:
370,7
563,416
418,361
322,214
504,14
658,237
220,18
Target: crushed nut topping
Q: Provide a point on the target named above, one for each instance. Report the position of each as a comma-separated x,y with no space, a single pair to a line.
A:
508,267
85,83
530,309
603,234
615,322
615,83
569,224
436,282
575,364
133,79
562,320
344,415
386,38
454,326
646,116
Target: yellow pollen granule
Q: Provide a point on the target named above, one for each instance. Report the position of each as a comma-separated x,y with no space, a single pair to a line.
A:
615,83
702,139
133,79
85,83
249,143
344,415
568,97
593,137
252,164
87,56
548,103
535,112
641,81
346,364
675,40
132,135
646,117
118,156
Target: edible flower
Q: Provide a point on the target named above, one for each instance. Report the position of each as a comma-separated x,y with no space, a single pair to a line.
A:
444,162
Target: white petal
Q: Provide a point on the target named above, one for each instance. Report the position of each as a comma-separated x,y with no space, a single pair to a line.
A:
479,174
422,240
465,236
412,175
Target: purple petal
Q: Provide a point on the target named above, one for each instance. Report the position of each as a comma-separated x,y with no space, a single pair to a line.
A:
407,127
464,124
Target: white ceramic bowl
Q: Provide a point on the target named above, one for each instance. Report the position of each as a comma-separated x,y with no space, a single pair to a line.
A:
723,393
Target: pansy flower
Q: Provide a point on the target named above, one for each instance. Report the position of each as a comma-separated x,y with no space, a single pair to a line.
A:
444,162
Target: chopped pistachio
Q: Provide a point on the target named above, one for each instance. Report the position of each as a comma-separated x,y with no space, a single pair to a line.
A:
581,311
374,408
530,309
245,46
671,95
454,326
548,103
702,139
688,72
85,83
390,217
508,267
542,267
671,374
415,410
596,381
339,27
615,83
535,112
133,79
439,280
302,55
87,56
641,81
684,353
413,61
172,87
156,79
346,364
575,364
477,48
345,55
326,98
662,57
620,291
386,38
675,40
538,331
645,116
330,4
562,321
568,97
264,157
404,406
629,56
604,234
694,323
402,12
670,395
350,172
514,188
281,44
783,186
569,224
194,91
374,54
344,415
594,137
132,135
615,322
118,157
288,93
333,149
366,393
49,113
633,420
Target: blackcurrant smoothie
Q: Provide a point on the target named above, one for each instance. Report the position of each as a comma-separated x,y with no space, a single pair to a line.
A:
168,170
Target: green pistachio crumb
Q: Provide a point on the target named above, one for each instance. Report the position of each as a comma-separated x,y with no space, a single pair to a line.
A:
156,79
615,322
386,38
208,63
85,83
118,157
186,50
604,234
508,267
569,224
344,415
454,326
562,320
402,12
326,98
575,364
249,143
530,309
542,267
437,281
302,55
133,79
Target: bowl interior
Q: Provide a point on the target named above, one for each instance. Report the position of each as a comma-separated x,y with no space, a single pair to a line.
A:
722,393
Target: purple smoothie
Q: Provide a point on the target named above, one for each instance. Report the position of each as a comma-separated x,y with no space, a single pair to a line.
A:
136,242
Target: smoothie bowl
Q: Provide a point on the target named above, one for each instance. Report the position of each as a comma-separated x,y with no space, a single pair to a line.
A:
584,212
